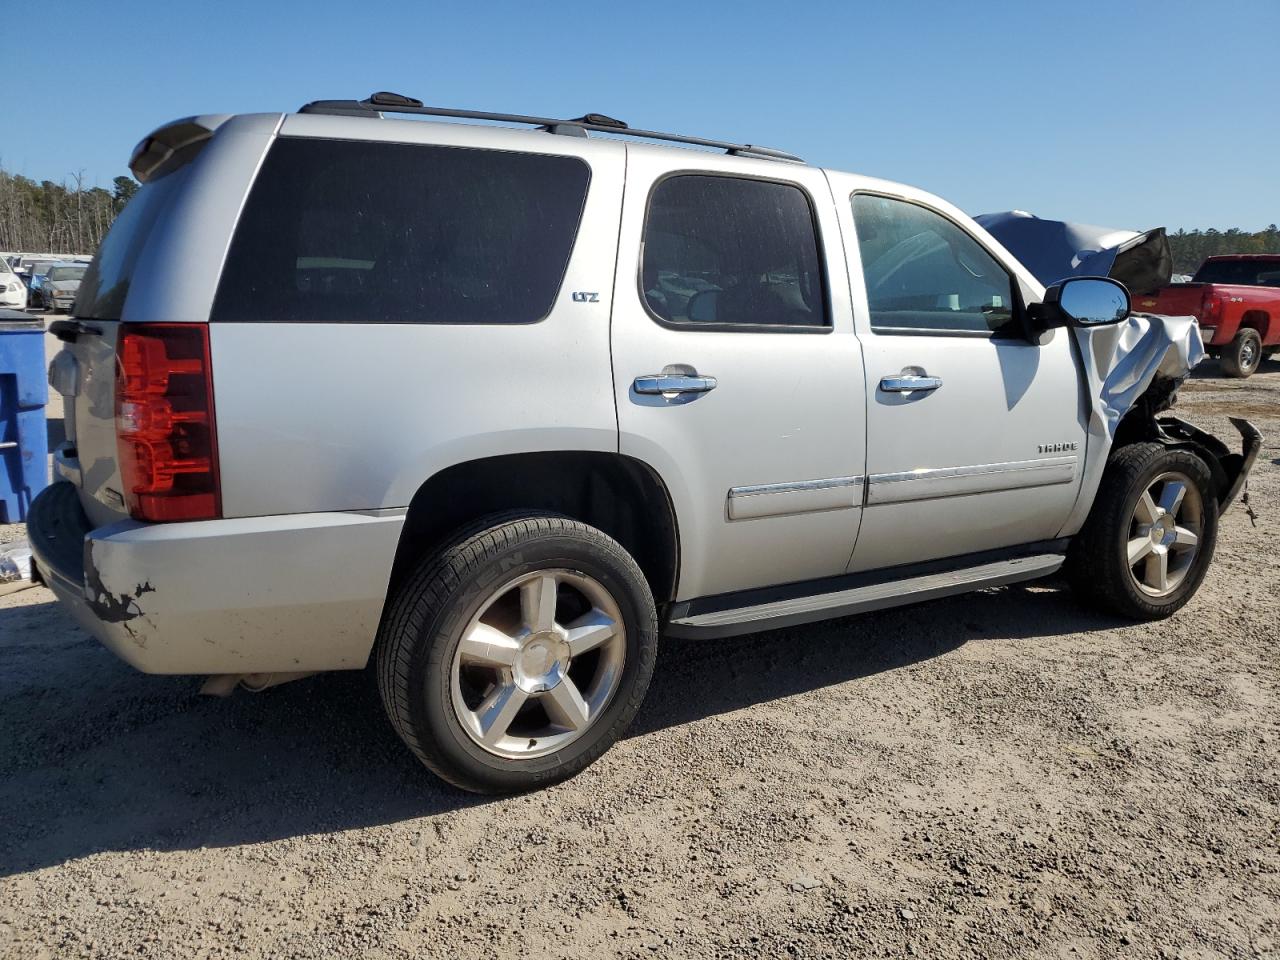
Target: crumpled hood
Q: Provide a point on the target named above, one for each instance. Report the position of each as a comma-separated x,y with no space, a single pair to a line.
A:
1054,250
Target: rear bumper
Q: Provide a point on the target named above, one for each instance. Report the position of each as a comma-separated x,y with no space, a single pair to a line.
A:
254,595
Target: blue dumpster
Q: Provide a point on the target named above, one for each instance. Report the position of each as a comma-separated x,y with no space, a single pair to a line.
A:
24,439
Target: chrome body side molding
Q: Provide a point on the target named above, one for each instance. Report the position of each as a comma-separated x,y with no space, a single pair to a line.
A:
799,496
932,484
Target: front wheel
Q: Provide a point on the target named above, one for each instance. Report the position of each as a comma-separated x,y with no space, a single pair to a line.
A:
1147,543
518,654
1241,357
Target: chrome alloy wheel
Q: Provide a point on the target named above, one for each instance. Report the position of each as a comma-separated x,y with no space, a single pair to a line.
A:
1164,534
538,664
1248,354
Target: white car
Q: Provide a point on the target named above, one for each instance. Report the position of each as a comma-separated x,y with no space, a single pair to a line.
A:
13,292
500,408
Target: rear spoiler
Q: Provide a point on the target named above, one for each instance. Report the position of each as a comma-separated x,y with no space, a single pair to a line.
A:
173,145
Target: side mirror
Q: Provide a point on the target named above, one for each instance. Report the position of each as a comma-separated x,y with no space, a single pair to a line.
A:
1081,302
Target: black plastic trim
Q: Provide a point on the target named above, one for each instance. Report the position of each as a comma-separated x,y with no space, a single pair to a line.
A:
1230,470
849,581
384,102
68,331
56,528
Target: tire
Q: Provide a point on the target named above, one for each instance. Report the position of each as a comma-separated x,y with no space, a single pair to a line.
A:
489,585
1098,561
1241,357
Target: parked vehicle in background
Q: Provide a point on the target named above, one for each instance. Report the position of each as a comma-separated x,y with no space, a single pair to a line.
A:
58,291
22,270
13,292
593,391
39,270
1237,302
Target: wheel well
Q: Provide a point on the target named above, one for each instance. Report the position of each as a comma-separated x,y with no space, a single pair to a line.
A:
619,495
1259,320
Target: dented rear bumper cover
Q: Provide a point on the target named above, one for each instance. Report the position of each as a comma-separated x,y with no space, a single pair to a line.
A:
252,595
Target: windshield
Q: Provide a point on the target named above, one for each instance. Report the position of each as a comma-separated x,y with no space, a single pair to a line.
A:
1249,273
67,273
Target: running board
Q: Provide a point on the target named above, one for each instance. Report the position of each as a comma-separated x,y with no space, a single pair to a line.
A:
862,599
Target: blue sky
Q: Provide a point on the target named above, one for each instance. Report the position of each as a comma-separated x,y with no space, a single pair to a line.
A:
1127,113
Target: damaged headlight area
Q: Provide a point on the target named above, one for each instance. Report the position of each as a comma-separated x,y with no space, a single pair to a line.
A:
1133,370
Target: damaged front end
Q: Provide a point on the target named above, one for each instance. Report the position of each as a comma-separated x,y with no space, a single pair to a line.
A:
1133,371
1230,470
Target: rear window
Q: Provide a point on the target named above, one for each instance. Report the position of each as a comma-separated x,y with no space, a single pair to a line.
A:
339,231
1249,273
106,283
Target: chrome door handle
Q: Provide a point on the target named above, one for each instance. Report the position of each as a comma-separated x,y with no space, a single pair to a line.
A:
669,385
905,383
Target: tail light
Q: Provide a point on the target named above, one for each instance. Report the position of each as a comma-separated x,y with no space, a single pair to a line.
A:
165,431
1210,309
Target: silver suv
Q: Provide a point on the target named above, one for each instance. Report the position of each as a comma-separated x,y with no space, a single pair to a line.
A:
497,408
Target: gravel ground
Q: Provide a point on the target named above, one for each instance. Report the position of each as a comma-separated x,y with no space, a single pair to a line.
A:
1000,775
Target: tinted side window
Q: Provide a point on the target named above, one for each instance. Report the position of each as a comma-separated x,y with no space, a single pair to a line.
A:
719,250
1251,273
924,273
341,231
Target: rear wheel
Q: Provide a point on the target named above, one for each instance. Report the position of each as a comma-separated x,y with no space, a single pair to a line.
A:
1241,357
1147,543
518,654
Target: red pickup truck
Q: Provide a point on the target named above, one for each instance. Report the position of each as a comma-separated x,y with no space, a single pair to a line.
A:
1237,301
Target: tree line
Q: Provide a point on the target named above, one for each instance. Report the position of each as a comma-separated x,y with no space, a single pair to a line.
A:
65,217
1190,247
69,217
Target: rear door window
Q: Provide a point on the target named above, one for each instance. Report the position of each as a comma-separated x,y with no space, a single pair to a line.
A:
726,252
338,231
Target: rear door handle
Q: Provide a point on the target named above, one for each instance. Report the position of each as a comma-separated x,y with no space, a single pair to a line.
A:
906,383
673,385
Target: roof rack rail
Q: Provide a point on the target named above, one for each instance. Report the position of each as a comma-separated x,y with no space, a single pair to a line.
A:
384,102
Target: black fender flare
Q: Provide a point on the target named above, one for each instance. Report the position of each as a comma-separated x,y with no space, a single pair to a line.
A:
1230,470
